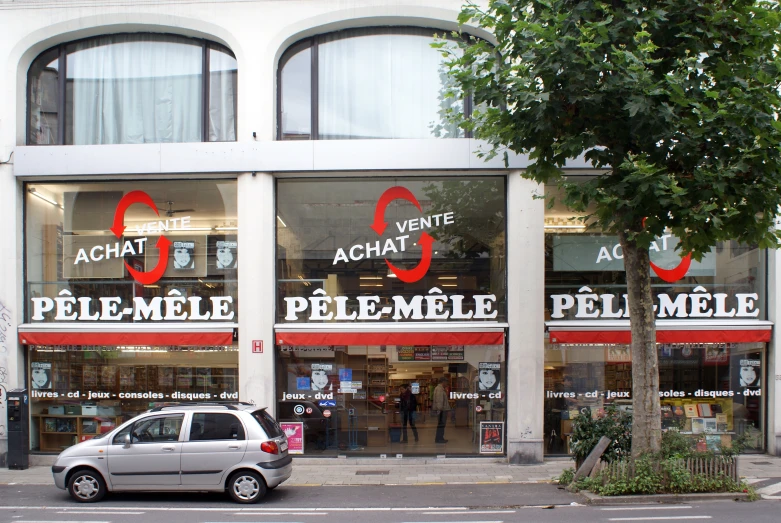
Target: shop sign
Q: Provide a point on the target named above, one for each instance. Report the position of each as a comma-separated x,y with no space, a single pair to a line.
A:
173,307
295,435
604,253
491,437
323,307
697,304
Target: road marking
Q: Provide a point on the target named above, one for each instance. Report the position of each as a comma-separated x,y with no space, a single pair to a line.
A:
473,512
280,513
659,518
98,512
458,522
671,507
59,521
769,489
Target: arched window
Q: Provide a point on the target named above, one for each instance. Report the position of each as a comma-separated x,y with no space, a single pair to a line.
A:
132,88
365,83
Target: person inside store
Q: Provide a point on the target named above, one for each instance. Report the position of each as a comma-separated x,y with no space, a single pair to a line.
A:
440,407
408,404
558,412
488,379
41,378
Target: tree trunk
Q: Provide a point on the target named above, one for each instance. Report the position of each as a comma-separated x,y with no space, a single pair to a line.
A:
646,415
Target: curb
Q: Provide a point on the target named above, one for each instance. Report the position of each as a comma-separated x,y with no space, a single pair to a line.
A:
594,499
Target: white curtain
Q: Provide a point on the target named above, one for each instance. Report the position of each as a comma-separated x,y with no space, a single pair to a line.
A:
377,83
223,76
137,88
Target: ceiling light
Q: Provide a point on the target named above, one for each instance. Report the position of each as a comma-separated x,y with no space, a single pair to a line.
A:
447,278
44,198
391,274
370,277
371,285
281,222
581,227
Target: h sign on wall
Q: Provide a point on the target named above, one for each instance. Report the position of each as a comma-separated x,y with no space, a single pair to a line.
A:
257,346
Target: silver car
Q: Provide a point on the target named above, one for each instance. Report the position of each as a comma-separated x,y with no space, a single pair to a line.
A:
206,447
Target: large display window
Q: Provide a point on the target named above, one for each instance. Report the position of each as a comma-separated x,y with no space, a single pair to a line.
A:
711,392
79,392
395,399
391,249
134,251
585,278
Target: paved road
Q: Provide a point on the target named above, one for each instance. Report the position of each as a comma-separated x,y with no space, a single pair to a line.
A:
380,504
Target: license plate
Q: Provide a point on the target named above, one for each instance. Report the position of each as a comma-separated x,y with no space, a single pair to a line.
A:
283,446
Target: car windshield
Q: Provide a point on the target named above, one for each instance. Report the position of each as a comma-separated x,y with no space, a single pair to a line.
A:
269,424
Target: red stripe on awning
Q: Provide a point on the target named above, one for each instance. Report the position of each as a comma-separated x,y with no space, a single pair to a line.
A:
390,338
126,338
662,336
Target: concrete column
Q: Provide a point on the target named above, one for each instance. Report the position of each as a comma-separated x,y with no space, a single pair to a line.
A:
772,388
11,291
257,289
525,300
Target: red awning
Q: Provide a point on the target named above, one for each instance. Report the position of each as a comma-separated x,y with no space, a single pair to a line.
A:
391,338
125,338
662,336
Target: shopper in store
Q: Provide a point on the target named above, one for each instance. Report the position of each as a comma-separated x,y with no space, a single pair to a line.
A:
440,406
408,404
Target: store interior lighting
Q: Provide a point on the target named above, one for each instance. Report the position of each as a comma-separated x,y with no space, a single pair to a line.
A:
34,192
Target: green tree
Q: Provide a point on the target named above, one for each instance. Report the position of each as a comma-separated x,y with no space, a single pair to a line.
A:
676,100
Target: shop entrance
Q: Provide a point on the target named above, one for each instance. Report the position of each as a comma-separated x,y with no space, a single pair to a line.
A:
389,399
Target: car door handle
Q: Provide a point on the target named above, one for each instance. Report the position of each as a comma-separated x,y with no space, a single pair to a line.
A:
234,446
168,449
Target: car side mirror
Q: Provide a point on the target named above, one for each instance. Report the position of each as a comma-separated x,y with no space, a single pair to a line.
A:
128,440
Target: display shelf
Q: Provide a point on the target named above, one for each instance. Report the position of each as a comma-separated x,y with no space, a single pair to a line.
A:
56,441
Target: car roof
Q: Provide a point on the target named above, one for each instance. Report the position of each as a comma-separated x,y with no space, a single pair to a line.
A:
208,406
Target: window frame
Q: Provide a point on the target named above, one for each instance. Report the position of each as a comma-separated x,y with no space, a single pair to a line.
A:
62,61
312,44
240,436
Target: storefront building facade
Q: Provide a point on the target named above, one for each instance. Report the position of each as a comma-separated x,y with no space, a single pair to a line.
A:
261,202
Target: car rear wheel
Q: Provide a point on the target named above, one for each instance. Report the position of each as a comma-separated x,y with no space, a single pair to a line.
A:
246,487
86,486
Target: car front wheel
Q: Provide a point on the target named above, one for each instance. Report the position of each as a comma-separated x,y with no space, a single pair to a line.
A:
246,487
86,486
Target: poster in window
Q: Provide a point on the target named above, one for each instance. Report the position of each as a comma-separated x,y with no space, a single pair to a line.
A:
294,430
184,255
90,374
41,374
108,376
165,376
184,377
227,254
491,437
127,377
203,376
716,354
618,354
322,376
406,353
489,375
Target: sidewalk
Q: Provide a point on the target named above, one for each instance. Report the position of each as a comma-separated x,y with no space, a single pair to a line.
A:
420,471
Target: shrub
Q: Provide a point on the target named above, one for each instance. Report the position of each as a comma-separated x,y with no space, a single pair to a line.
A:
567,475
586,431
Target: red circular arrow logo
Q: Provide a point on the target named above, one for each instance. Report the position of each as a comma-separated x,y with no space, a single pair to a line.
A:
673,275
425,240
163,244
